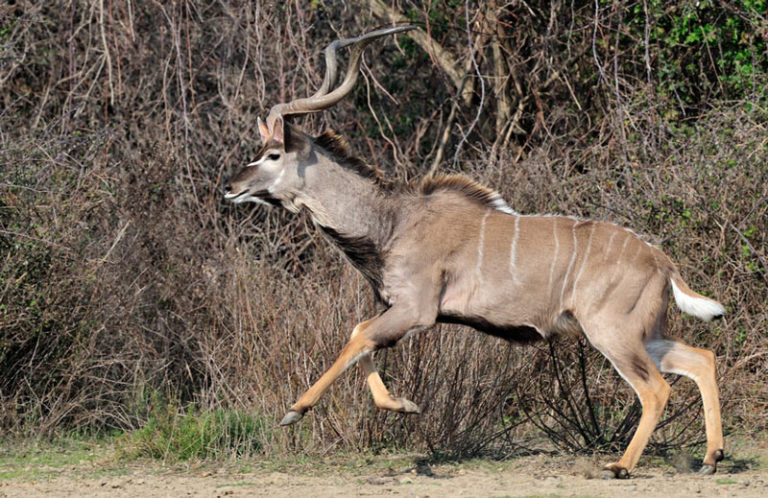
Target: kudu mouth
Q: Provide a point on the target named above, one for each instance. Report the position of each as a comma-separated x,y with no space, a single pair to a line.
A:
236,198
242,195
260,197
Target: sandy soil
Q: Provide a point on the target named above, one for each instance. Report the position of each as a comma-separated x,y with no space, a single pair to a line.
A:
525,476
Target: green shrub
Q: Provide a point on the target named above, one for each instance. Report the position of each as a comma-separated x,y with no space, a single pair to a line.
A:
177,434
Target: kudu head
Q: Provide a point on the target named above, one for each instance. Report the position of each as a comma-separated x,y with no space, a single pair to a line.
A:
277,172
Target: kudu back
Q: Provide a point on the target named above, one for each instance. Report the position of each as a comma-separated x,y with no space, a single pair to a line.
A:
446,249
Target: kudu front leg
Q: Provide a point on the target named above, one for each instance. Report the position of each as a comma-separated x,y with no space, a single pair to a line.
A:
381,395
382,331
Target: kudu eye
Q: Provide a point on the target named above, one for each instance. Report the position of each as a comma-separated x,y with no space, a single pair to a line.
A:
273,157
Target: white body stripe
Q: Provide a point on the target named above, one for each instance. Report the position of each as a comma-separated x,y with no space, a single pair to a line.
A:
609,245
584,261
481,242
570,264
513,251
554,258
617,267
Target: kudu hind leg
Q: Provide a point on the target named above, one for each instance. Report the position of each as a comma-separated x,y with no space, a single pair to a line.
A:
636,367
698,365
653,392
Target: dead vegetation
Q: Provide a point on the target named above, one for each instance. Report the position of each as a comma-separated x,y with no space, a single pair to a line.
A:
124,278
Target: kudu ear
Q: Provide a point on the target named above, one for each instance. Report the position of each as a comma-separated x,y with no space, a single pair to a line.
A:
294,140
276,132
263,131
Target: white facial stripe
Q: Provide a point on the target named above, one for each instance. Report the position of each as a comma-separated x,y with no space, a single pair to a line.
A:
255,163
277,181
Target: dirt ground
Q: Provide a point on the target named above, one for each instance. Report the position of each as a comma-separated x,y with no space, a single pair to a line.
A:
470,483
466,483
743,475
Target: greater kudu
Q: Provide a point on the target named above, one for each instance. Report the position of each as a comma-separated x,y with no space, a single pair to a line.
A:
446,249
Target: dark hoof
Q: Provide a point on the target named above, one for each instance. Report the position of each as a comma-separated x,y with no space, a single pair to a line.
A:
707,470
408,406
614,472
291,417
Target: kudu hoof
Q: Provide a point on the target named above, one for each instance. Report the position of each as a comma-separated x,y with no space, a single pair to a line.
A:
408,406
291,417
614,472
707,470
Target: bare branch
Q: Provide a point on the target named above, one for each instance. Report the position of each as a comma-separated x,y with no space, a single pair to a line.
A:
439,55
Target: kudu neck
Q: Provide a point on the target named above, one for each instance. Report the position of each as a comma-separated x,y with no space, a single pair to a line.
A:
350,204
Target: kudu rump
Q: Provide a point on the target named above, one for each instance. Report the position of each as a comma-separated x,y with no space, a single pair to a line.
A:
448,250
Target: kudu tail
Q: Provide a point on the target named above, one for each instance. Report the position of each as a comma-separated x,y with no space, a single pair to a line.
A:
693,303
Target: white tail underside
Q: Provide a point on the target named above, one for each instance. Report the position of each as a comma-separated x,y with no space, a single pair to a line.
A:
700,307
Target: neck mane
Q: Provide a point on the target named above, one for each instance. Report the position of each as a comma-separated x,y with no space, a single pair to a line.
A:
338,149
335,145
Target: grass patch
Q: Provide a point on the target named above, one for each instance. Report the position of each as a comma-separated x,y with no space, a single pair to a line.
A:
725,480
23,459
174,434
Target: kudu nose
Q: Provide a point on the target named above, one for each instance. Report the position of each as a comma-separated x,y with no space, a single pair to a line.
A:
227,185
